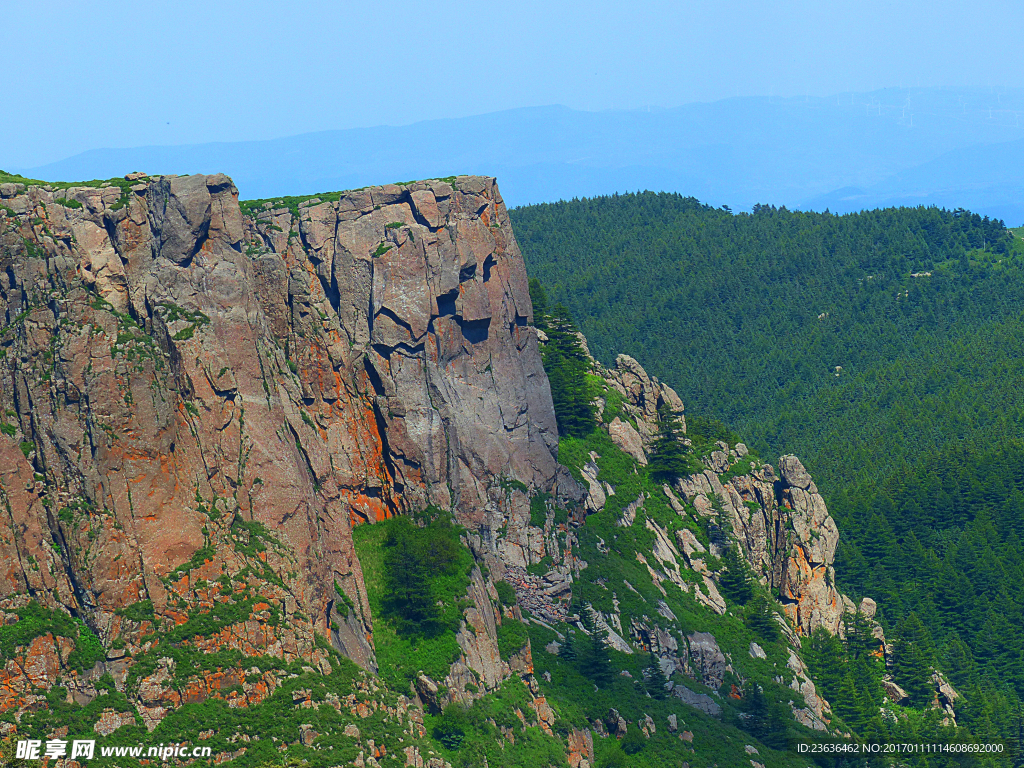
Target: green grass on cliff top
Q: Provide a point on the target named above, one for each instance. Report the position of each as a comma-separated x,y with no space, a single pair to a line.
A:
249,207
120,182
292,202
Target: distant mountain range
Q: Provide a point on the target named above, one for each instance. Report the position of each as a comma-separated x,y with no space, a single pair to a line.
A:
949,147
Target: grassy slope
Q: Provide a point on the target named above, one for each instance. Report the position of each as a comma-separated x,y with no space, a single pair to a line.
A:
401,658
570,694
603,584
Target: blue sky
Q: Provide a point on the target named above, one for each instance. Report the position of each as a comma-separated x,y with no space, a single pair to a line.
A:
90,75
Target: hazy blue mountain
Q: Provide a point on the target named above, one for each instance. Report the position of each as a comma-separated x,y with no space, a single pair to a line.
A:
985,178
741,151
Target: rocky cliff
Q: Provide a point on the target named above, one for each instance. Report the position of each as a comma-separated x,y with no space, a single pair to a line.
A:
777,517
195,396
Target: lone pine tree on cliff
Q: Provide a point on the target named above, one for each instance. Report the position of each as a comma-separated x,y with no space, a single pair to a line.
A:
566,365
670,460
735,578
654,678
596,662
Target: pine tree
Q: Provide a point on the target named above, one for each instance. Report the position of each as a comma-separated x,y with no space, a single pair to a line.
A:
778,720
595,661
867,675
413,558
826,661
654,678
670,459
734,581
567,651
761,621
586,614
847,703
957,662
860,642
912,660
539,299
408,599
757,709
566,366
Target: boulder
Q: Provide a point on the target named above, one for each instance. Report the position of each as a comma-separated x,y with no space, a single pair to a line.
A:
710,596
868,607
428,692
596,496
689,543
628,439
893,692
794,474
616,723
700,701
708,659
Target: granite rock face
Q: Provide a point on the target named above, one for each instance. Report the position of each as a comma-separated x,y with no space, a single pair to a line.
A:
778,518
808,583
192,393
783,528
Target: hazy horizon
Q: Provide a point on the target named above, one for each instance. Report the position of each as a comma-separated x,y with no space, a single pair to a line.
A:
97,77
952,147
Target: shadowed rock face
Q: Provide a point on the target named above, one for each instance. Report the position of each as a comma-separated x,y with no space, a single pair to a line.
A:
183,383
422,290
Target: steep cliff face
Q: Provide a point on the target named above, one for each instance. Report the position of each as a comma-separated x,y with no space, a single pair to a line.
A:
192,396
422,290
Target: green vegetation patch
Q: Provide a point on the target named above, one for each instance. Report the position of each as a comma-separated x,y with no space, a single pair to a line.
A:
506,594
416,581
473,736
79,720
199,557
120,182
140,611
539,509
67,202
222,614
35,620
512,636
196,319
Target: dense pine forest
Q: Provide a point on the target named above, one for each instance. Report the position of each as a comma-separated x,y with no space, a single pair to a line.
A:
884,348
941,544
857,342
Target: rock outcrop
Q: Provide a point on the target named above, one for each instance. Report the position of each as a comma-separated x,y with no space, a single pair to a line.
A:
778,518
783,528
808,587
